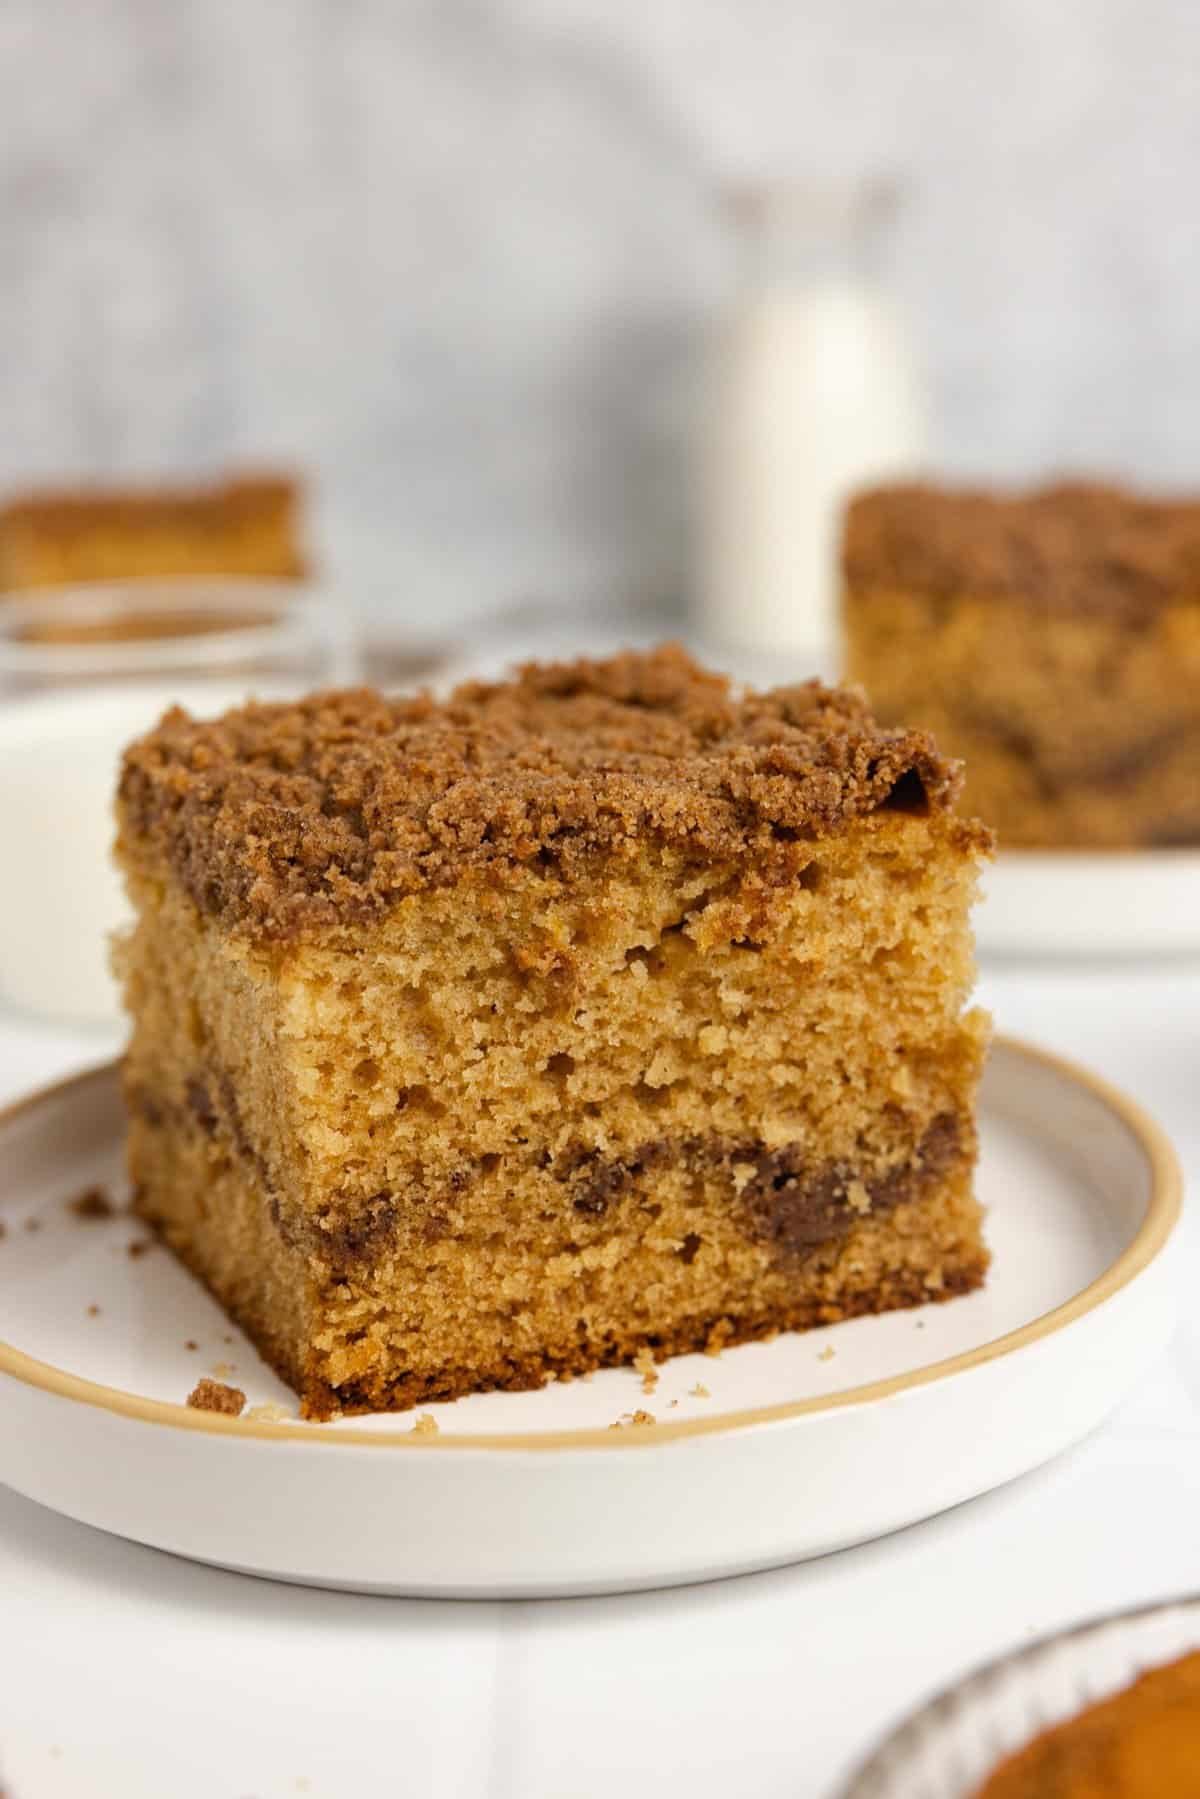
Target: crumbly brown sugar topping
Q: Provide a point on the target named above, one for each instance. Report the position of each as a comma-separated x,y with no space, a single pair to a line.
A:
285,820
1072,547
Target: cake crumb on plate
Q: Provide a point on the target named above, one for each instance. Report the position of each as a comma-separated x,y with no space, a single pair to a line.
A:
426,1425
699,1391
270,1413
626,1419
214,1396
92,1204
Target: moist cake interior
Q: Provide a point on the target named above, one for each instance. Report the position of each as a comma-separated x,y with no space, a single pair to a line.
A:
523,1126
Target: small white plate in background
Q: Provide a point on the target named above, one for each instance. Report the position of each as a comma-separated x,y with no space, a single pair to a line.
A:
1080,903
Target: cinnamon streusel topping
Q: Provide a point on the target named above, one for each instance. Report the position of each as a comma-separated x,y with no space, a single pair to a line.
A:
1071,547
284,820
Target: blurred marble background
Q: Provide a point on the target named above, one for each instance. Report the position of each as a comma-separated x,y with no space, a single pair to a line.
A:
457,257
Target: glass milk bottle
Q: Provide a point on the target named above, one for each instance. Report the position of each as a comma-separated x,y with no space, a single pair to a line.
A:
813,393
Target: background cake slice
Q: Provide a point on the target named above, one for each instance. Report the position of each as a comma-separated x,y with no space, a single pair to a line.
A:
599,1012
247,525
1051,639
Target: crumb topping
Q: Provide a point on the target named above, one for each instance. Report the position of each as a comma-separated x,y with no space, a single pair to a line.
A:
629,1420
93,1204
1070,547
285,820
215,1396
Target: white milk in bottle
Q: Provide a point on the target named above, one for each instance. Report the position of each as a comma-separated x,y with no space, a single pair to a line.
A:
813,392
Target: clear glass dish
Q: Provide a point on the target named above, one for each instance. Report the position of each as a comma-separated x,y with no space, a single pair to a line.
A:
83,671
948,1748
172,628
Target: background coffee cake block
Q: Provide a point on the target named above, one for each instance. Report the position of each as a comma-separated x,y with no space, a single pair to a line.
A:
1051,639
596,1013
247,525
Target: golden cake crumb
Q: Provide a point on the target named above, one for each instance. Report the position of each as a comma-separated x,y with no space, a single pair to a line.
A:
93,1311
827,1354
215,1396
426,1425
92,1204
644,1365
629,1419
699,1391
270,1413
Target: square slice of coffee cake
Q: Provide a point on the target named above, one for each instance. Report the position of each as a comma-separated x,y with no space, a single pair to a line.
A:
1050,638
247,525
598,1012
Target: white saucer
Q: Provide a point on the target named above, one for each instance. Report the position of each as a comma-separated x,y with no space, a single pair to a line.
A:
797,1447
1083,903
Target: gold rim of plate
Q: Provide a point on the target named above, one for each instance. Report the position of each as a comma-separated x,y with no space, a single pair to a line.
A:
1161,1216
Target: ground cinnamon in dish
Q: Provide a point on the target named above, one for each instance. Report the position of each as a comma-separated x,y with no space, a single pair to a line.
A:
592,1017
1144,1743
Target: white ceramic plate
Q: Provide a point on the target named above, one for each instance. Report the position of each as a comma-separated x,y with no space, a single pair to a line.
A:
795,1447
948,1748
1079,903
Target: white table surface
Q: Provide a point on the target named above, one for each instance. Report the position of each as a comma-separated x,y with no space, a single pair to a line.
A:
126,1674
